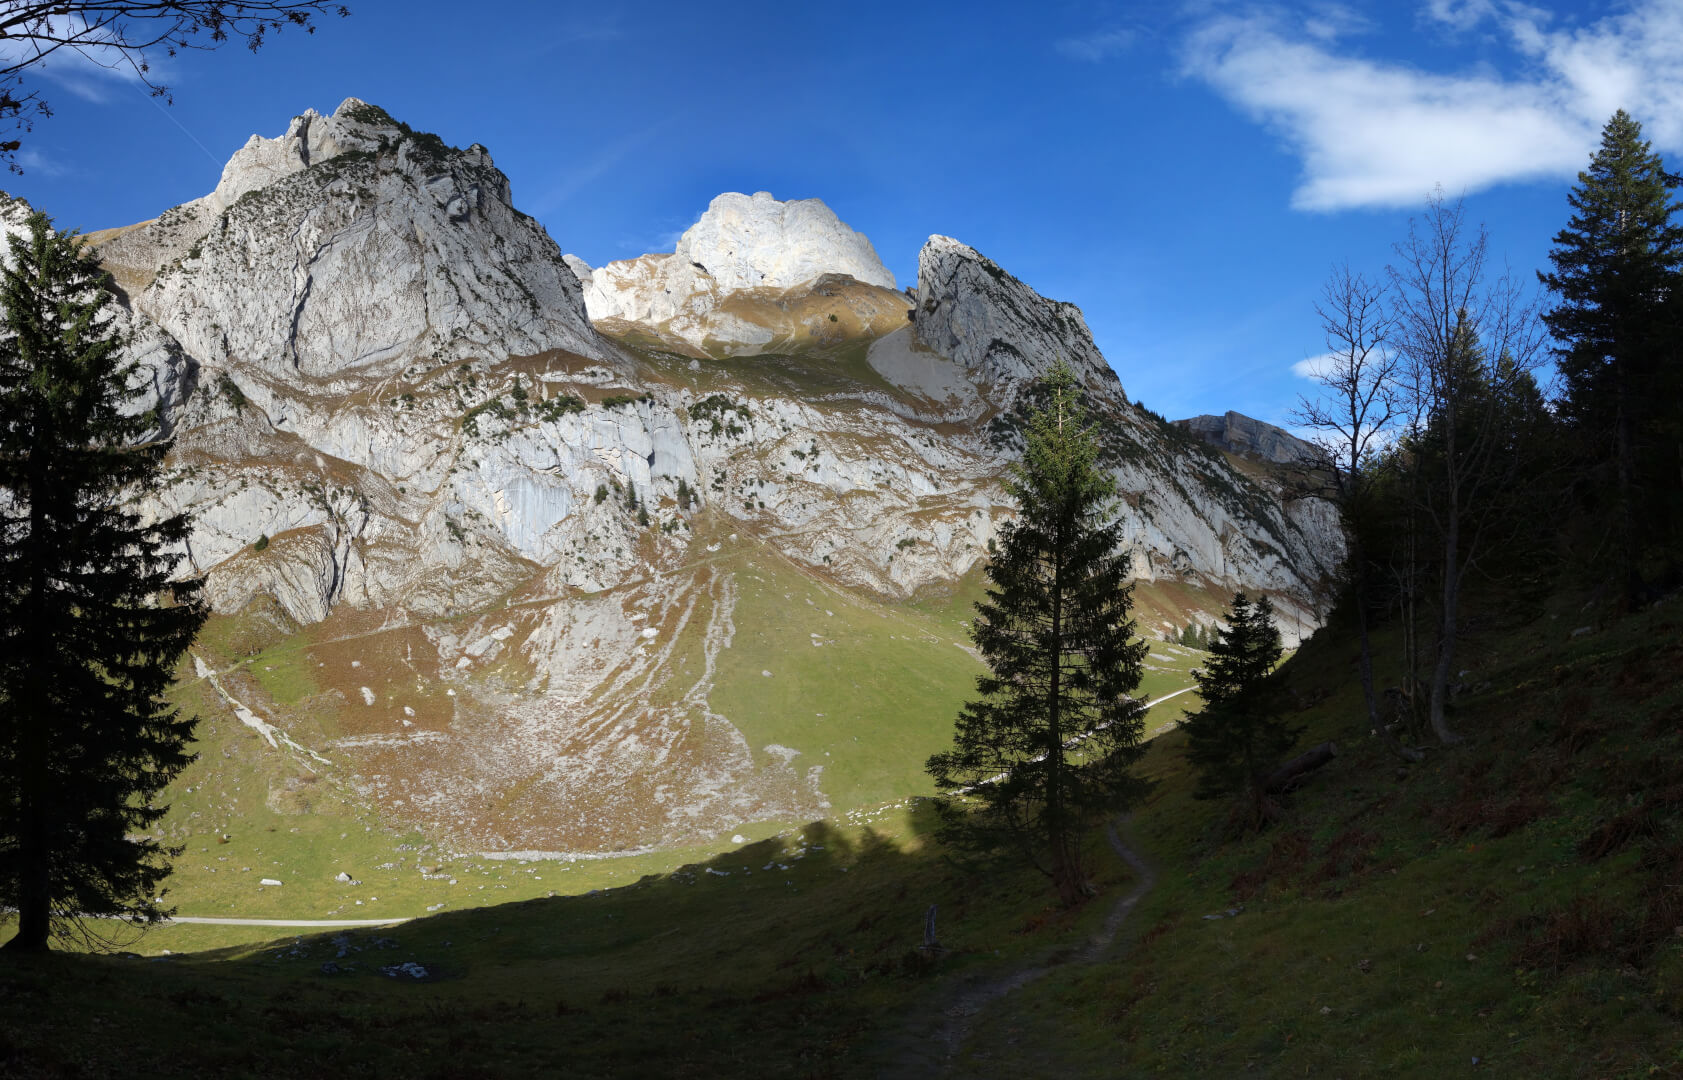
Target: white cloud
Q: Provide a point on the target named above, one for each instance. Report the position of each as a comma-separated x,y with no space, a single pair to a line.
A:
87,69
1460,14
1313,367
33,161
1382,133
1097,46
1330,21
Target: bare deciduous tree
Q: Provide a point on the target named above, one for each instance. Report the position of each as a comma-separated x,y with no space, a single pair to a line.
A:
119,37
1353,416
1465,340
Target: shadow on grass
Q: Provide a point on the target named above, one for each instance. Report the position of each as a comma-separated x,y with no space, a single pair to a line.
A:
779,957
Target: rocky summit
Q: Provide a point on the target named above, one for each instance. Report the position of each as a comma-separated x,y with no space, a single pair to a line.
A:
747,260
402,414
1248,437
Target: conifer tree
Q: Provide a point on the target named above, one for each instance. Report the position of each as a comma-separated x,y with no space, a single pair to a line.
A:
1615,264
1047,746
1238,737
91,626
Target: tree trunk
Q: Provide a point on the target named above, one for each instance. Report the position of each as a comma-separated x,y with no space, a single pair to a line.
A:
34,884
1067,877
34,892
1630,578
1447,617
1368,697
1293,771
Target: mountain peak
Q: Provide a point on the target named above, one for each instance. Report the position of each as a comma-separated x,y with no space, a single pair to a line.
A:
744,250
972,310
1247,436
758,241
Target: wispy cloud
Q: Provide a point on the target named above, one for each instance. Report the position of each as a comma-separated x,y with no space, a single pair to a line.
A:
1374,132
595,167
1461,14
1313,367
89,70
1097,46
1330,21
31,160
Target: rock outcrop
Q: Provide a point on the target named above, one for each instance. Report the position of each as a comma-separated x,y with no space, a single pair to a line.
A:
993,325
388,397
354,245
743,248
1240,434
163,372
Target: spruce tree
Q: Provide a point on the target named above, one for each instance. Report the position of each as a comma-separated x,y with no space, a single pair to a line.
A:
91,626
1615,264
1239,735
1046,749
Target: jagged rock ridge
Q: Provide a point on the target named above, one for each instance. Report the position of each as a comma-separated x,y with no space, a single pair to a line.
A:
351,244
1240,434
396,389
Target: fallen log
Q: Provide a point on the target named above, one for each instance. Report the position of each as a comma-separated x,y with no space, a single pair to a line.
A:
1296,770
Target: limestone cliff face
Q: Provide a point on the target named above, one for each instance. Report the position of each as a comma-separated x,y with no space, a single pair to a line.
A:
744,247
389,396
991,324
1190,515
352,245
1241,434
356,298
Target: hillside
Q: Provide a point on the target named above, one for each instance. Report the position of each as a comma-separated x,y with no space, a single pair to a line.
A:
532,580
512,548
1510,901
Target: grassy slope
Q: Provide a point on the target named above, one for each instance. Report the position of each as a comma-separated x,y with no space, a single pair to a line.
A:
1414,922
888,678
781,963
1501,901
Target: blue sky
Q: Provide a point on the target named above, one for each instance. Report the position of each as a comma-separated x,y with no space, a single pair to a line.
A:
1187,172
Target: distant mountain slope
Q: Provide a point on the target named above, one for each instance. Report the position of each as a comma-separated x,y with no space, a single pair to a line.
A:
394,420
1242,435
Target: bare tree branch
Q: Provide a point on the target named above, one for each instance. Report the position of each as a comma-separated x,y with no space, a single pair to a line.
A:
120,37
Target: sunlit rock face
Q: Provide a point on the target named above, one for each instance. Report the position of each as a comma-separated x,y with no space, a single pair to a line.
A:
395,402
990,323
1241,434
741,244
350,245
352,301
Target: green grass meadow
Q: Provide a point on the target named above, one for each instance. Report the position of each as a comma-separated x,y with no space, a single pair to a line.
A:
1508,907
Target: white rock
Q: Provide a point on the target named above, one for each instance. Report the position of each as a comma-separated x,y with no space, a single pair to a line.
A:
740,243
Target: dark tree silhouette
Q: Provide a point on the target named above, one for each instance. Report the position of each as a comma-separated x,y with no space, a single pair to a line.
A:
91,626
1236,740
1616,264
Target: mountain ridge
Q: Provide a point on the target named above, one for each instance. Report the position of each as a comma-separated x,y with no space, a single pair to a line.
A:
398,417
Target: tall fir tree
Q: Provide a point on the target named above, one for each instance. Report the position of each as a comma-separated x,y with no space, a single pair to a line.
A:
91,626
1237,739
1615,265
1046,749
